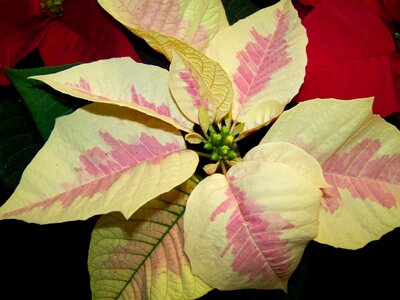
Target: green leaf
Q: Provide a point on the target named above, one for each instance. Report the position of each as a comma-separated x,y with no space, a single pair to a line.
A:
19,139
143,258
44,103
238,9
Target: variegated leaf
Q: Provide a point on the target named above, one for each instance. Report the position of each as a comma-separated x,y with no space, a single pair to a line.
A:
143,257
100,159
265,57
360,156
252,226
159,22
124,82
199,82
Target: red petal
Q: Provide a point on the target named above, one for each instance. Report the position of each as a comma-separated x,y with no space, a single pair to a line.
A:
22,27
84,33
350,53
386,9
15,12
382,9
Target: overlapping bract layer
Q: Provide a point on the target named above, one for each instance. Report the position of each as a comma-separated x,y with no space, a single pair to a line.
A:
260,59
360,156
254,223
143,257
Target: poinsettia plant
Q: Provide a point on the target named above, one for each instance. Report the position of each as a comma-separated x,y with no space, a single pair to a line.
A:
159,154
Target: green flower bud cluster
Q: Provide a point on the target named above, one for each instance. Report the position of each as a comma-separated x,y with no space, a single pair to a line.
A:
53,6
219,144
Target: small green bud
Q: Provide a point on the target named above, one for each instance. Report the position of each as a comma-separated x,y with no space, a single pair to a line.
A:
208,146
224,131
231,154
216,139
211,130
215,156
224,150
54,7
228,140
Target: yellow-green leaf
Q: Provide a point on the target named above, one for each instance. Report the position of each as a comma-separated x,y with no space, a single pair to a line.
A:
160,22
265,57
204,120
199,82
143,257
124,82
360,156
101,158
251,226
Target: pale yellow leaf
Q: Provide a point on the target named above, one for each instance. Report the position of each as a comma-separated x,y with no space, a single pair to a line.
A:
199,82
101,158
360,156
159,22
265,57
204,120
291,155
124,82
251,226
194,138
211,168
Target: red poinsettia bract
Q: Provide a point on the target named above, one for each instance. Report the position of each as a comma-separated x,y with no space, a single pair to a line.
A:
83,33
352,53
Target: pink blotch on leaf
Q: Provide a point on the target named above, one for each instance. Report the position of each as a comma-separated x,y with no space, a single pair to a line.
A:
363,172
162,109
193,89
140,100
97,162
100,168
82,86
160,250
201,38
164,17
261,59
253,236
167,18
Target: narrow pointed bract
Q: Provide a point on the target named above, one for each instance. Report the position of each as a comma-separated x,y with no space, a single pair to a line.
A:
260,54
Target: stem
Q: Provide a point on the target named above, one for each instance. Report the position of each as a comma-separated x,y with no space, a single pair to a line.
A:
223,167
203,154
